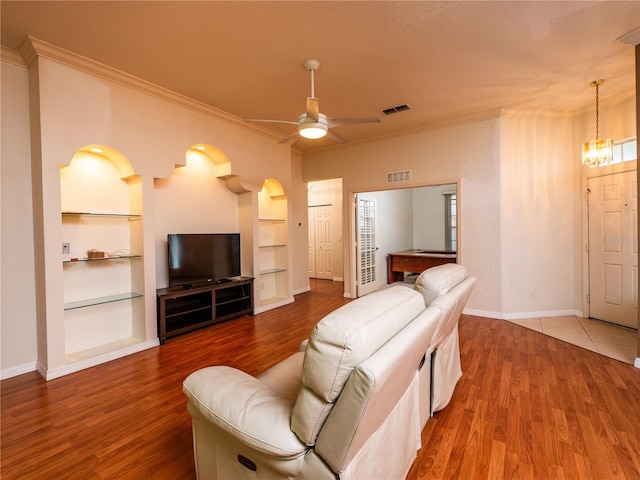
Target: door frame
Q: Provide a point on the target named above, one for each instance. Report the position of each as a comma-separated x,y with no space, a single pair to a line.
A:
588,173
350,245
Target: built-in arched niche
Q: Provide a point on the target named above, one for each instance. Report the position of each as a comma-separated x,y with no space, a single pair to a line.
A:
273,235
102,255
193,199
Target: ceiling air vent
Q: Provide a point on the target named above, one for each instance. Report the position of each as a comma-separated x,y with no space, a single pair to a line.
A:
392,110
395,177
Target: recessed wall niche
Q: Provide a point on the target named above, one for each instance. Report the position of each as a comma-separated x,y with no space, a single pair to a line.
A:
102,254
273,245
192,199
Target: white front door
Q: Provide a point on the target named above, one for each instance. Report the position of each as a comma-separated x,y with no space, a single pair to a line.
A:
613,248
366,244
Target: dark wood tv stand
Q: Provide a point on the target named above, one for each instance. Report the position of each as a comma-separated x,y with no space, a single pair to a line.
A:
182,310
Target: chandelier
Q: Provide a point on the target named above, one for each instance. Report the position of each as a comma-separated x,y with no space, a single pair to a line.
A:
600,150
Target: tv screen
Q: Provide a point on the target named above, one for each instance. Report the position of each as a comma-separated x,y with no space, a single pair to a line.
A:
203,257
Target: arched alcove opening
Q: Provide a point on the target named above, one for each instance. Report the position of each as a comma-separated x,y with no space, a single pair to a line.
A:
273,235
200,151
193,199
103,270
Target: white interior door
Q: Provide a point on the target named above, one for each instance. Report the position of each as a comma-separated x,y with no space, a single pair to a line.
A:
312,242
320,247
613,248
366,245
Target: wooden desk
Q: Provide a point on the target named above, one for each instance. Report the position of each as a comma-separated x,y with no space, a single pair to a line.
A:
415,261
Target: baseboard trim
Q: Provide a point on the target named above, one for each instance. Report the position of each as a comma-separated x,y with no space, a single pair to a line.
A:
301,290
92,362
520,315
17,370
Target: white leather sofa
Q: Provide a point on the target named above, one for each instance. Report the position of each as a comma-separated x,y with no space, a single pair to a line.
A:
351,405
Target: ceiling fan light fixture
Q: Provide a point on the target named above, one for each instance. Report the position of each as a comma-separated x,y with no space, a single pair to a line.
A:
311,129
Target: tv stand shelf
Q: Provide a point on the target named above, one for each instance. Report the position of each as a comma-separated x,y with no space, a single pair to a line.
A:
182,310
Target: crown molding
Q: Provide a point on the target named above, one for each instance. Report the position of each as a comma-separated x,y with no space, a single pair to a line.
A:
34,48
12,56
631,38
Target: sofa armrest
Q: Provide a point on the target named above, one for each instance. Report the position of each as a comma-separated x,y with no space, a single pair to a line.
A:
246,408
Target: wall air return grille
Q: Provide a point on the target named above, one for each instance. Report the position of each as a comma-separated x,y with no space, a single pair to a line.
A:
396,109
395,177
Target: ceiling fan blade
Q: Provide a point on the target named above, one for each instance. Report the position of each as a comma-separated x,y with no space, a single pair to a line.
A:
337,122
288,137
313,111
335,137
270,121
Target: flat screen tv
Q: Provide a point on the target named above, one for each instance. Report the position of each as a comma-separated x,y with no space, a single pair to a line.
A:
196,258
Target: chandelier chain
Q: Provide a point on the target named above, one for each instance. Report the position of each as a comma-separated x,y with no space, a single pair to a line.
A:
597,110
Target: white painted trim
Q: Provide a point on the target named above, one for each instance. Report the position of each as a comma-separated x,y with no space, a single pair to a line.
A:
34,48
302,290
482,313
543,314
11,56
271,306
337,279
92,362
520,315
636,363
17,370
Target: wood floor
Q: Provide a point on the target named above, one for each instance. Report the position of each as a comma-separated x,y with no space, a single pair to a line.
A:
527,406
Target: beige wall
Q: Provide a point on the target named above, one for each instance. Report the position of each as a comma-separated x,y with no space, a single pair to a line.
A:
74,109
18,306
466,153
299,238
538,234
520,203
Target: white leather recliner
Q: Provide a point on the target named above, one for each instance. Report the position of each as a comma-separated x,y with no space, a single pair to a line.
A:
447,288
347,407
351,405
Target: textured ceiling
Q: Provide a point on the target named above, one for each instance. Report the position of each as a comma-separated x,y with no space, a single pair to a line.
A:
446,59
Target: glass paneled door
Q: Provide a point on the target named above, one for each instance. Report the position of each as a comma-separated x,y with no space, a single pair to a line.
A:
366,244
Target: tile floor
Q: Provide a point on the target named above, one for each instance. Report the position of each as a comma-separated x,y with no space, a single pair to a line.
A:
610,340
601,337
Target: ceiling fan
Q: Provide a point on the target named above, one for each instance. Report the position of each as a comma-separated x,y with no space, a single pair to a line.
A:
312,124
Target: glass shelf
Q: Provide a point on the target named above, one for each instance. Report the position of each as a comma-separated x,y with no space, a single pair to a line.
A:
272,220
90,302
273,246
103,215
99,259
271,271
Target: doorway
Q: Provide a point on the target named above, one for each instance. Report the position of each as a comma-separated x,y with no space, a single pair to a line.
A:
324,206
423,218
406,218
